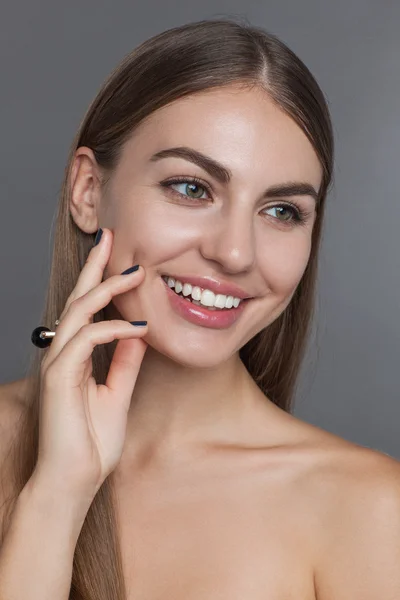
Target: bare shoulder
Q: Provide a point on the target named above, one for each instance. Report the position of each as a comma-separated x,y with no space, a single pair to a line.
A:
356,493
348,476
341,473
350,467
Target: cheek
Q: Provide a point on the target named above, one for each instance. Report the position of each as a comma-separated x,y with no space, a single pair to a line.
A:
153,232
283,265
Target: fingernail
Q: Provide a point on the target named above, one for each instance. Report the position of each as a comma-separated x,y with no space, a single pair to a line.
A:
138,323
98,236
130,270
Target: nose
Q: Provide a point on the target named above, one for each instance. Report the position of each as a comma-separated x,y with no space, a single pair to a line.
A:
230,241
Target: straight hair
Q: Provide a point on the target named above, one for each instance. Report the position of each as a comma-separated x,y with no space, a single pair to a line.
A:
175,63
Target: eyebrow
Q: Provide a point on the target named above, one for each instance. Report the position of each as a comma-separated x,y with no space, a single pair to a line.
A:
224,175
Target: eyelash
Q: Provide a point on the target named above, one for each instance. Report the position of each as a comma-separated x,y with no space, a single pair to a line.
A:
299,215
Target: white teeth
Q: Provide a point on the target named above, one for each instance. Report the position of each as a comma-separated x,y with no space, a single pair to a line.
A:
202,297
229,302
207,297
196,292
187,289
220,301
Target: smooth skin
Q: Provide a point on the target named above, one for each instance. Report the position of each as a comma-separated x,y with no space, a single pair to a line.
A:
221,494
82,437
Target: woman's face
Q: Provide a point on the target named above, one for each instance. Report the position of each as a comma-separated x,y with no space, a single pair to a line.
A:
230,231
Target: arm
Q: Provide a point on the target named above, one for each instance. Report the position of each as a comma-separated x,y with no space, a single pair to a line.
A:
361,557
36,557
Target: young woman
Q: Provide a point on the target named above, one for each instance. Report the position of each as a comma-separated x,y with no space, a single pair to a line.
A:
161,459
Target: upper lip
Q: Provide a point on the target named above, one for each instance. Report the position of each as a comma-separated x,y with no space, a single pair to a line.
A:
210,283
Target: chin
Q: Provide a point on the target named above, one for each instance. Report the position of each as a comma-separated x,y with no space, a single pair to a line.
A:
196,355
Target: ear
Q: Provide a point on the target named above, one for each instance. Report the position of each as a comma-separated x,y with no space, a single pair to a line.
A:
85,190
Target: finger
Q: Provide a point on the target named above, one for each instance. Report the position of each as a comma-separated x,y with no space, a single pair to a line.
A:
81,310
71,362
93,270
124,369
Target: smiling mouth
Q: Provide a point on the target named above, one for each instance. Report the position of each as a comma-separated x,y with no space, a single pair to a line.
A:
208,297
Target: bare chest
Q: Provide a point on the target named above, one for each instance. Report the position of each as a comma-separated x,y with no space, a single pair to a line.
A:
220,538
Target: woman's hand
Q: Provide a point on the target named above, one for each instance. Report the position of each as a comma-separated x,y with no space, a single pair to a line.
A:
82,424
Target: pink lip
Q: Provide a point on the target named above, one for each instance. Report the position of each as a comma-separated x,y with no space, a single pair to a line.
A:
218,287
200,315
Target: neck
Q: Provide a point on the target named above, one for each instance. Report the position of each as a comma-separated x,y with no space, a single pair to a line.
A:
177,411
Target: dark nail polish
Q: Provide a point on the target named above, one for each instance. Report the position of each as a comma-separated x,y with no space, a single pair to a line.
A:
130,270
98,236
138,323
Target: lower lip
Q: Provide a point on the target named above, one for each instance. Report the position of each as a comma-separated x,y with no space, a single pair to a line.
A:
200,315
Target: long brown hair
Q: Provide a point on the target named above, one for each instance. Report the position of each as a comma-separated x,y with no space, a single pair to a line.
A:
181,61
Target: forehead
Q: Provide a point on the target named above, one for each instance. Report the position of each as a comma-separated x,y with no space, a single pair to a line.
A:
243,129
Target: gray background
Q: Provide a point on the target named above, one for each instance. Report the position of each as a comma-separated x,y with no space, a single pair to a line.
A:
55,55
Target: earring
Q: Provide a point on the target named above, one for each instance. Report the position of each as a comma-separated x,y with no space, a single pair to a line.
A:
43,336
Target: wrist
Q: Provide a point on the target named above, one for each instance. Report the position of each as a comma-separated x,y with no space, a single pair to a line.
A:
52,499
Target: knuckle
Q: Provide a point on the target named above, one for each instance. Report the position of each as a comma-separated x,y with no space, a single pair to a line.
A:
114,324
87,330
75,302
76,306
70,299
109,285
67,309
71,296
94,265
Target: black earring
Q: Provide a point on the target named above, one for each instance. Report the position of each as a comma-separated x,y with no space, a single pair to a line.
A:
43,336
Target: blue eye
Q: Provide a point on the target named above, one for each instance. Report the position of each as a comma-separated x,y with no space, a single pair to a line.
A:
298,216
191,186
294,213
195,186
